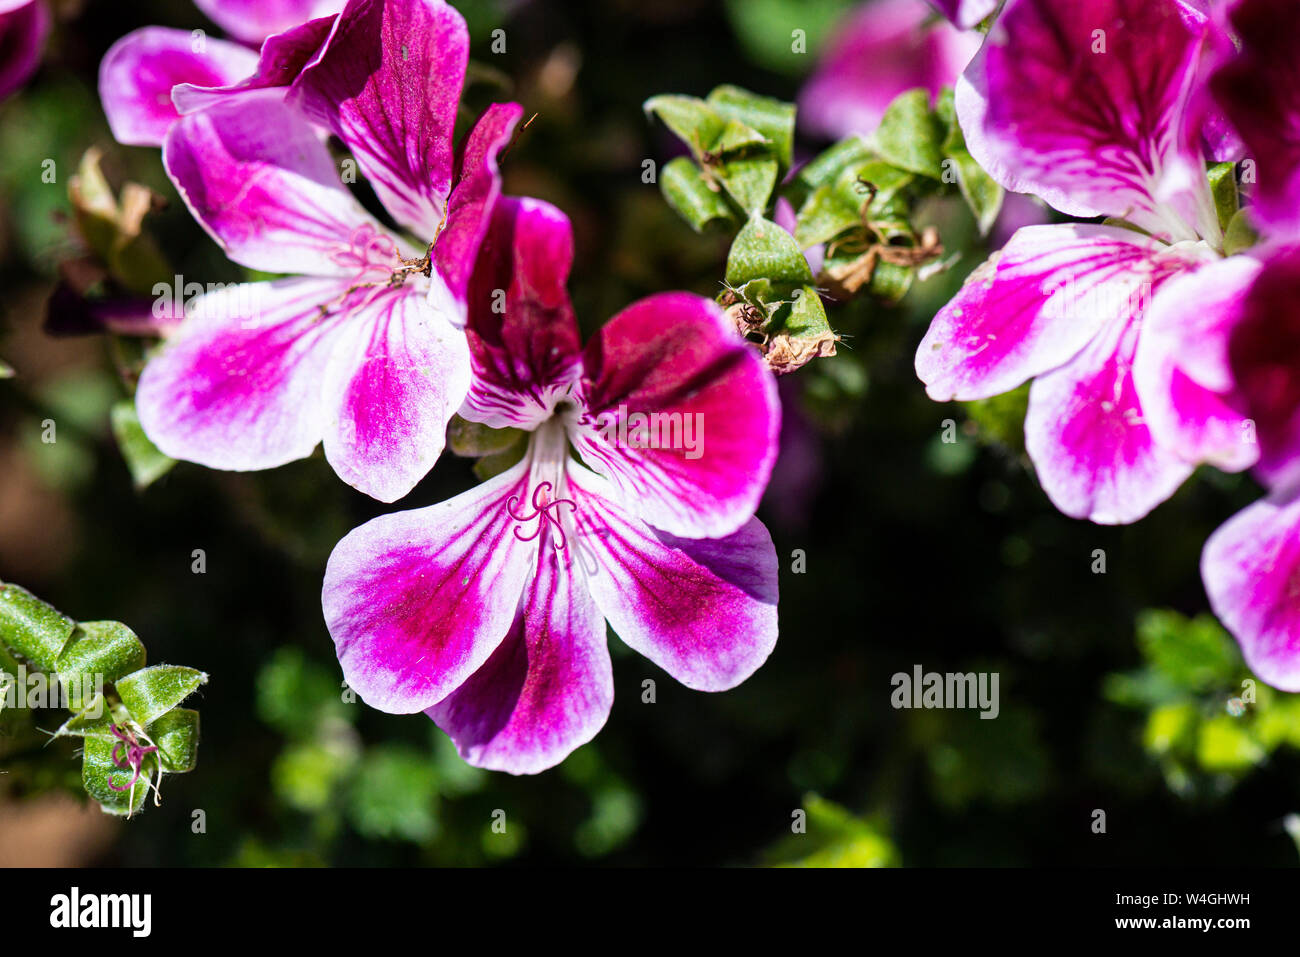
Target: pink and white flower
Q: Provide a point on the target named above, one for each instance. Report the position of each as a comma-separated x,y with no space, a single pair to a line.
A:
362,347
488,611
24,26
1096,107
153,75
883,48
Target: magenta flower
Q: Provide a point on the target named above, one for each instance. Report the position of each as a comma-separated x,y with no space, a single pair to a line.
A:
153,75
884,48
488,611
1095,107
24,25
362,347
1251,565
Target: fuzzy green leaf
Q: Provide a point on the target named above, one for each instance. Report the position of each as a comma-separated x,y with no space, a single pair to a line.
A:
691,196
150,693
763,250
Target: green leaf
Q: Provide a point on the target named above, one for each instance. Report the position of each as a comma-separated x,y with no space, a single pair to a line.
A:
772,118
176,734
142,457
763,250
1223,186
982,193
32,628
394,795
1240,234
1196,654
766,30
750,181
834,838
473,439
1225,744
691,196
694,122
150,693
837,206
827,167
910,136
799,332
105,650
6,370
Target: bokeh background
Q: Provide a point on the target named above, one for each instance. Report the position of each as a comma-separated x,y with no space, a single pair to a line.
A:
1115,688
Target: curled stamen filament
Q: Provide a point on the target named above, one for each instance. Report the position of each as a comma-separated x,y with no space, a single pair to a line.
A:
134,759
541,511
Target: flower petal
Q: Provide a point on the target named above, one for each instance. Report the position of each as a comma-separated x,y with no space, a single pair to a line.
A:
704,610
680,414
402,371
1033,306
138,73
282,59
1085,432
417,601
1250,567
469,207
881,50
240,384
254,20
1264,355
523,337
549,686
965,13
389,83
1181,370
1259,89
24,27
1083,103
257,177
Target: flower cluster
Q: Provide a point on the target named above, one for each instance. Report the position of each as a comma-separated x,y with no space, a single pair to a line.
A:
488,611
1157,340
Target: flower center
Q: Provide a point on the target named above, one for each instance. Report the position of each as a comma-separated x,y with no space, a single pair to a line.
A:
547,457
371,255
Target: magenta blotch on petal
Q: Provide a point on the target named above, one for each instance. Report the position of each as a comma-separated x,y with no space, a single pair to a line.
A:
1250,567
257,177
704,610
417,601
24,27
524,342
680,414
388,83
1087,436
138,73
281,60
402,371
549,686
1033,307
1182,370
1084,104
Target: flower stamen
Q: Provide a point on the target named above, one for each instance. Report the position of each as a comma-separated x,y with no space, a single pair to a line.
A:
541,511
